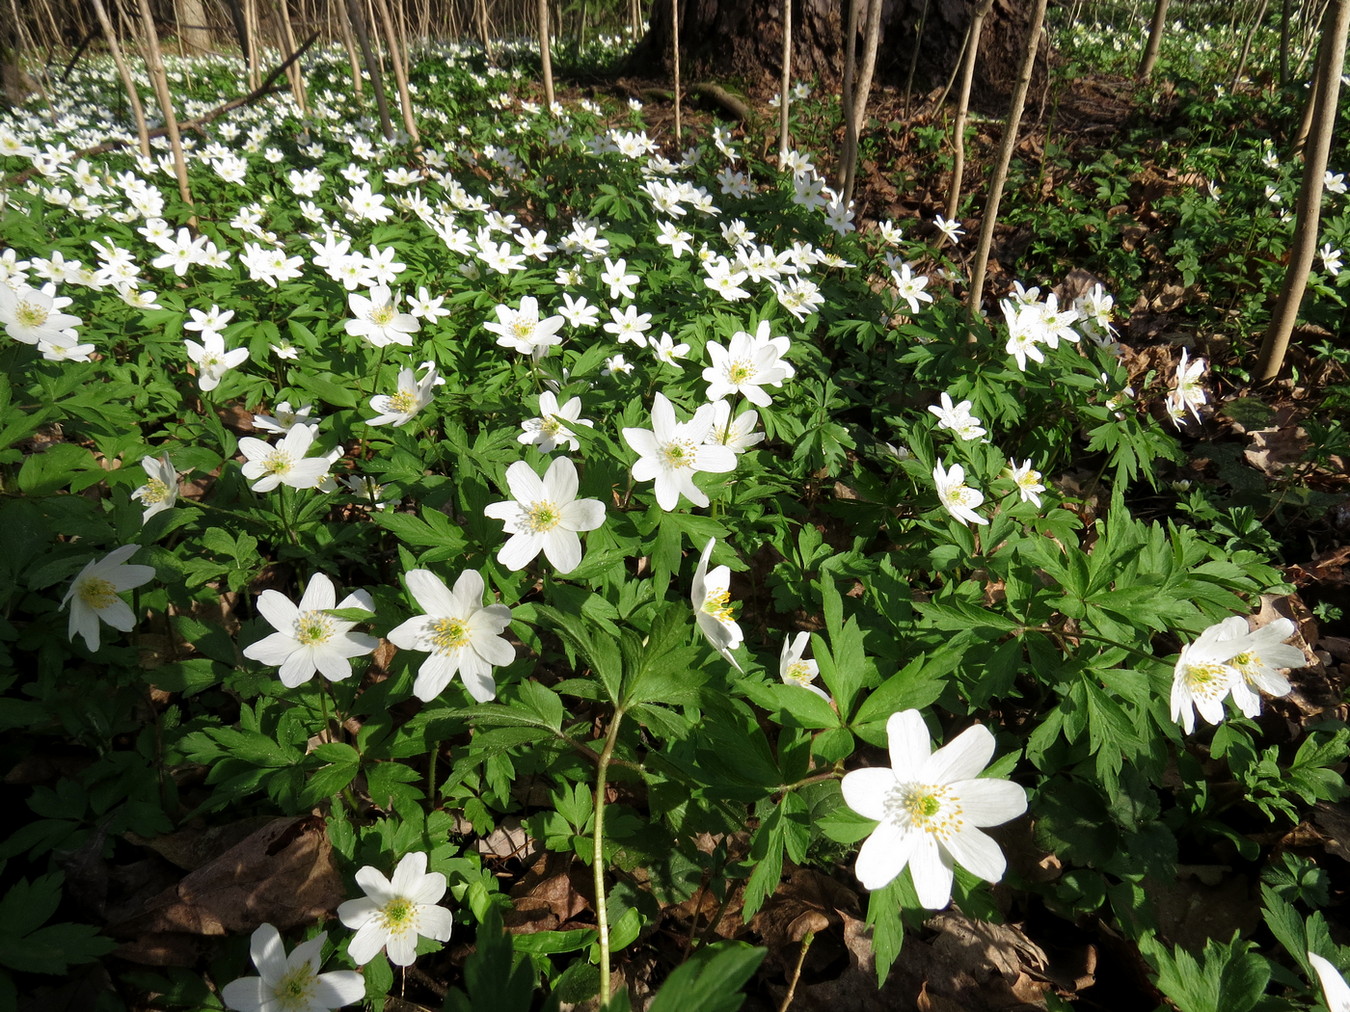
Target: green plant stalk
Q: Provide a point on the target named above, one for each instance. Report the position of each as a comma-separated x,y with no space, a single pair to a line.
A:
598,854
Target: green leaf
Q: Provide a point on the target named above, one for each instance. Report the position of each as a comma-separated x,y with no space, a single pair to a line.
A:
711,980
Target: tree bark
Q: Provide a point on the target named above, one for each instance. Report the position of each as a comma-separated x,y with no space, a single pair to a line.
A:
1005,153
137,112
358,21
963,109
1155,34
1276,341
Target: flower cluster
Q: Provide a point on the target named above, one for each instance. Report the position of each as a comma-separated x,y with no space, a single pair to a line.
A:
1227,659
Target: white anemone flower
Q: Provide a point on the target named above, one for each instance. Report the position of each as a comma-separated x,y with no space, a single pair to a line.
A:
1203,677
739,432
544,515
395,912
212,360
671,453
747,365
957,418
1028,481
411,397
378,320
284,462
461,634
957,498
930,808
31,315
550,430
1334,987
1258,656
94,594
711,597
160,491
523,331
795,670
291,983
307,638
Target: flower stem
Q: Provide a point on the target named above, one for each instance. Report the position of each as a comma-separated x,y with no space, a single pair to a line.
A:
598,854
1060,636
807,939
323,709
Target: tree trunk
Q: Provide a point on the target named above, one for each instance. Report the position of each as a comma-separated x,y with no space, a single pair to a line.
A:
1304,248
744,38
193,28
1155,34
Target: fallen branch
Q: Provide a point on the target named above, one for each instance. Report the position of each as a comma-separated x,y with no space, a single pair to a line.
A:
722,97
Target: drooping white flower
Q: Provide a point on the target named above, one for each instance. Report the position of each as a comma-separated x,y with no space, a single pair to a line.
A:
794,670
395,912
291,983
957,498
1258,656
307,638
378,320
285,419
411,397
1334,987
1203,677
671,453
160,491
1188,394
930,808
212,360
93,594
545,515
550,430
283,462
461,634
710,596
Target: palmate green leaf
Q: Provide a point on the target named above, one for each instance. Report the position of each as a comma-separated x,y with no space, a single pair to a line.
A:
1227,978
600,653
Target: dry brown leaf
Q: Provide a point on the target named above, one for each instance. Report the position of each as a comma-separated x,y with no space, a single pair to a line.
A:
550,896
281,874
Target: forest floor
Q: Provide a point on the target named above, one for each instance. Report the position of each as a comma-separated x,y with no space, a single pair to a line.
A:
1252,448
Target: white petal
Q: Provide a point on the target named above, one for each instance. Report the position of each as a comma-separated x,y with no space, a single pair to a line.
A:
991,802
962,758
339,987
519,550
560,481
272,650
524,484
279,610
430,591
884,855
931,873
268,953
409,873
909,744
865,790
435,922
247,994
368,940
1333,984
977,853
562,548
320,594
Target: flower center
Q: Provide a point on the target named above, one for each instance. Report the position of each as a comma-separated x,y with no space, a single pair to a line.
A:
399,916
403,403
961,495
800,672
382,316
295,991
31,314
542,516
97,592
313,628
522,329
933,808
550,426
1207,681
679,453
155,491
718,605
740,372
277,462
449,634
